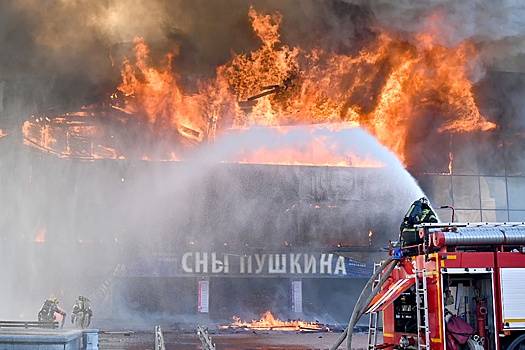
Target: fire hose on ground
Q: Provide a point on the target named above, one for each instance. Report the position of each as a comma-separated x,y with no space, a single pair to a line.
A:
364,300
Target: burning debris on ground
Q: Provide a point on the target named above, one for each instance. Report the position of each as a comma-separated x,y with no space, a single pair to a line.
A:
268,322
180,163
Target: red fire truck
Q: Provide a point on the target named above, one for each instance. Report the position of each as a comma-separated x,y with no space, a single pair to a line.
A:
461,285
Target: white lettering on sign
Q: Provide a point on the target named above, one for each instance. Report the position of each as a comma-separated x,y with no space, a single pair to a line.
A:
277,263
295,267
259,259
201,264
217,266
340,267
226,263
310,264
325,263
185,267
246,264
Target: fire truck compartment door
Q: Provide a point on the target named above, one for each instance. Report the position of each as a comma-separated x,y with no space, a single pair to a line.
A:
512,300
387,296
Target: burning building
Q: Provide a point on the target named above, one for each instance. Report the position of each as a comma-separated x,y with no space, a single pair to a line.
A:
270,180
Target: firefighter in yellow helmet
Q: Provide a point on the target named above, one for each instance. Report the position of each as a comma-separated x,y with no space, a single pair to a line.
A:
49,310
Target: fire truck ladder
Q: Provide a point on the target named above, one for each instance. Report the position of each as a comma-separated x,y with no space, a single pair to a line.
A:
422,310
374,316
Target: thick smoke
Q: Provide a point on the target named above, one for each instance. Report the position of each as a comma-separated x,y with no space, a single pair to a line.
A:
497,26
70,54
71,50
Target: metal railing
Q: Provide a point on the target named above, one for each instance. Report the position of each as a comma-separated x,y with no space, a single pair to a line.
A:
28,324
159,339
204,337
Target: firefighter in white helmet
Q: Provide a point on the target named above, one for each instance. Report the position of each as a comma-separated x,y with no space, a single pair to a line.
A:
82,313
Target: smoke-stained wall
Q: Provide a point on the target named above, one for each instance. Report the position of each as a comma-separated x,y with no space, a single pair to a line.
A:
68,224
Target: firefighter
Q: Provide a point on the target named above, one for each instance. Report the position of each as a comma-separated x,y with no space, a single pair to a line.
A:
82,313
418,213
49,310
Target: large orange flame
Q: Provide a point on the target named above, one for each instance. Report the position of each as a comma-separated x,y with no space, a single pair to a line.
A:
312,145
388,87
384,87
157,94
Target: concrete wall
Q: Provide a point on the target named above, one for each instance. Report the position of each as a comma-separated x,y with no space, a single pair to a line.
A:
48,339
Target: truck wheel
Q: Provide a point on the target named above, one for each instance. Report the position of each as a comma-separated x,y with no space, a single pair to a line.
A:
473,345
518,343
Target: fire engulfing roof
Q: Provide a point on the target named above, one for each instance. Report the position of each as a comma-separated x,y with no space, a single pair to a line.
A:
103,133
110,133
